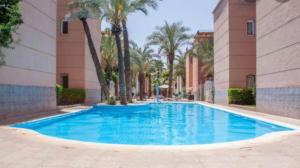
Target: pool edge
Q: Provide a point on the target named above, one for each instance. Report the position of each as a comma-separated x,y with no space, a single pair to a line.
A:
269,137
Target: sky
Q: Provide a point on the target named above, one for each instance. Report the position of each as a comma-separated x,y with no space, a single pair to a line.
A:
194,14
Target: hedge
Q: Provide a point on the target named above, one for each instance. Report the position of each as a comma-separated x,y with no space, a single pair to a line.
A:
59,90
241,96
69,96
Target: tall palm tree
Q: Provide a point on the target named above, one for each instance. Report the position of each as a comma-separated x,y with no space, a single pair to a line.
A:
205,52
113,12
158,70
170,38
150,72
180,67
132,6
108,54
83,10
141,58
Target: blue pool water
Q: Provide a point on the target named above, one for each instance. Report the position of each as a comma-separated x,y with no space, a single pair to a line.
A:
153,124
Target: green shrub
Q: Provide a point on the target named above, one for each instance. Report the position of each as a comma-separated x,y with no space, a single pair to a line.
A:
72,96
241,96
111,101
59,90
69,96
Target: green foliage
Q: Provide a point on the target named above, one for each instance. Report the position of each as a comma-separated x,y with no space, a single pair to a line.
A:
180,67
141,58
115,11
69,96
108,55
10,19
170,38
241,96
59,90
84,9
111,101
205,52
73,95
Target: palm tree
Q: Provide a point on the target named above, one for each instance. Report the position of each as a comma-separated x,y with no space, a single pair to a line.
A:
141,58
158,69
113,12
205,52
132,6
150,72
83,10
170,38
180,67
108,55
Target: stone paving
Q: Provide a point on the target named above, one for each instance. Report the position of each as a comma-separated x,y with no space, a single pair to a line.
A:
26,149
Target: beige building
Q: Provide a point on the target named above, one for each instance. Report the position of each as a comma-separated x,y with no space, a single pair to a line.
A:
48,51
275,58
234,46
75,67
27,80
278,57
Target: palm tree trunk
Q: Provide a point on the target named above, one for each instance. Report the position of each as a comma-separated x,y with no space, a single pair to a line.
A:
127,62
142,85
150,86
99,71
170,91
116,30
117,88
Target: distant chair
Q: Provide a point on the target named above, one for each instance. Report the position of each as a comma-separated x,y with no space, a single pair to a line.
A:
191,97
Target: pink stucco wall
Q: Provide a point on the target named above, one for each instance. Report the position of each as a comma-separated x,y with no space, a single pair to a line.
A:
234,51
278,57
242,48
278,60
32,61
91,80
70,49
195,72
221,51
74,56
27,80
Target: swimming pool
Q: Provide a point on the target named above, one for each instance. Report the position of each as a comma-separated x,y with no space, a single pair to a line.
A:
153,124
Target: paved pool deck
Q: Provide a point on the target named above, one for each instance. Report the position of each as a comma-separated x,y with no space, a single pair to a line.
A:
25,149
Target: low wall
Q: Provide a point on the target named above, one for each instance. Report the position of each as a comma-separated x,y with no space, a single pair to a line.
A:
279,101
93,96
221,97
20,101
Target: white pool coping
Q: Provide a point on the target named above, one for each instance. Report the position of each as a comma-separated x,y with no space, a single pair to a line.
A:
270,137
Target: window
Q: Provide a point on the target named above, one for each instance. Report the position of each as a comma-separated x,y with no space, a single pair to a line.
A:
65,80
65,27
251,28
251,81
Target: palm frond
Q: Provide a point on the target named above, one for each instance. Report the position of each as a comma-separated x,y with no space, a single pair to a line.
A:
83,9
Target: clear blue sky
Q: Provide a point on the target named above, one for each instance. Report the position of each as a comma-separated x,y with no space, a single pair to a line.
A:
195,14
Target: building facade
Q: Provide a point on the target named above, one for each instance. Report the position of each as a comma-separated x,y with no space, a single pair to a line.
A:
194,75
275,59
278,57
234,46
75,67
27,80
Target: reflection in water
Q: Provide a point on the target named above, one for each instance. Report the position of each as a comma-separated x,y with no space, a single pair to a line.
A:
155,124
